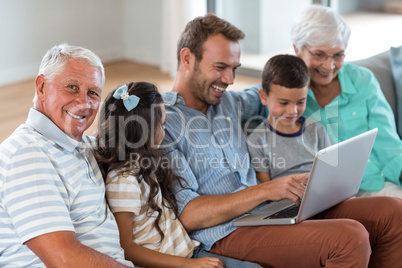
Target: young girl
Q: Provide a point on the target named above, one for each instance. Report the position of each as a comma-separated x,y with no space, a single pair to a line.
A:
139,182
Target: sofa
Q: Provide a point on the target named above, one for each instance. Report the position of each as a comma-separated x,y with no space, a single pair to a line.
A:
387,68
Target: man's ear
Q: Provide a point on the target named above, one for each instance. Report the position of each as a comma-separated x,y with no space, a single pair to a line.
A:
263,97
187,58
39,87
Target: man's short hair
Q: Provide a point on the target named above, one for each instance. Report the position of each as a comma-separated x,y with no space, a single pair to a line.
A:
200,29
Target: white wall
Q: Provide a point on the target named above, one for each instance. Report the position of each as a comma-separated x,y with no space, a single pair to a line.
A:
276,22
113,29
142,30
116,29
266,23
243,15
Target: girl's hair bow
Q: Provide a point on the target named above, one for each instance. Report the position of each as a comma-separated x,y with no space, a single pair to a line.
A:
129,101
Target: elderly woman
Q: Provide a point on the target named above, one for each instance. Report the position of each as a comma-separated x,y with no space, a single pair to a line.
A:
346,98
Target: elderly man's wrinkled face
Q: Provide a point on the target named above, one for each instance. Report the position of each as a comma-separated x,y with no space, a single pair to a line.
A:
323,62
72,98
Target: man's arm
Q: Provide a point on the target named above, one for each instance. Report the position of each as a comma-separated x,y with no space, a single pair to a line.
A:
63,249
202,211
210,210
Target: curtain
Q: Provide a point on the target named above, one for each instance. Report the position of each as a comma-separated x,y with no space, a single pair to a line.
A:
175,15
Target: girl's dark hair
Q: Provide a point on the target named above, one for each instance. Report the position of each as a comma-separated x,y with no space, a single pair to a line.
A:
285,70
125,142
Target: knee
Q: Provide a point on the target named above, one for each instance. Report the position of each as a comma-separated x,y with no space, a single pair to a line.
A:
355,232
352,236
389,218
387,209
352,248
391,204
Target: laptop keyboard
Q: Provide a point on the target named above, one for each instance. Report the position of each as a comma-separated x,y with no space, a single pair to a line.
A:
289,212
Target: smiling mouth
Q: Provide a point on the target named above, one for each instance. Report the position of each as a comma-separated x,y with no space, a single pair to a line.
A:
324,73
75,116
288,117
219,89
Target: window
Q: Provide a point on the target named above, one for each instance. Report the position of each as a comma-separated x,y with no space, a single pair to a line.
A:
266,24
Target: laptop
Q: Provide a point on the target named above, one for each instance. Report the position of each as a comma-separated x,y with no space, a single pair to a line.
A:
335,176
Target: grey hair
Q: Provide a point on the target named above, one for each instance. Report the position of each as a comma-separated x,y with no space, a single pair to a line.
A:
319,26
58,56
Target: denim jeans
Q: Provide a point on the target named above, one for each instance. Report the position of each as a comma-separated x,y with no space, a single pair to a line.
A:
228,262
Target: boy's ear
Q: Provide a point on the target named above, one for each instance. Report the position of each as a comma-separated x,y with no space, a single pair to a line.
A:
263,97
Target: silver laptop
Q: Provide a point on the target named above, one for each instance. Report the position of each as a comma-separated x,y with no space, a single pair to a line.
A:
335,176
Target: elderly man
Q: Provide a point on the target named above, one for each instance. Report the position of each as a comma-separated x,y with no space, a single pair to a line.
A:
207,147
52,207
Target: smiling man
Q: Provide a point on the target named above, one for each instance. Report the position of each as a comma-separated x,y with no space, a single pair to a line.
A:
207,147
71,98
52,196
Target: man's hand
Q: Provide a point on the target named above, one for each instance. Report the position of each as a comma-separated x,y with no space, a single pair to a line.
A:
291,187
209,210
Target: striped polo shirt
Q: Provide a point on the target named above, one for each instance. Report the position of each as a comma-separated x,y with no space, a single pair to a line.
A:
48,183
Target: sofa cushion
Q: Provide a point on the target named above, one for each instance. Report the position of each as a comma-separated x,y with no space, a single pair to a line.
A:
380,65
396,63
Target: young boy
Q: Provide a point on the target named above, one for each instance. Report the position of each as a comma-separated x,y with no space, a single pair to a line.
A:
286,142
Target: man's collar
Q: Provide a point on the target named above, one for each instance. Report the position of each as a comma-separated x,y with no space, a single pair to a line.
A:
48,129
170,98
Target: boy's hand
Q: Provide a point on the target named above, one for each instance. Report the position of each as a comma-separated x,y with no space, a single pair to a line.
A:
291,187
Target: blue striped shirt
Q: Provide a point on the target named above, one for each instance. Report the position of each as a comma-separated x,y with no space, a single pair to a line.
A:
210,150
48,183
